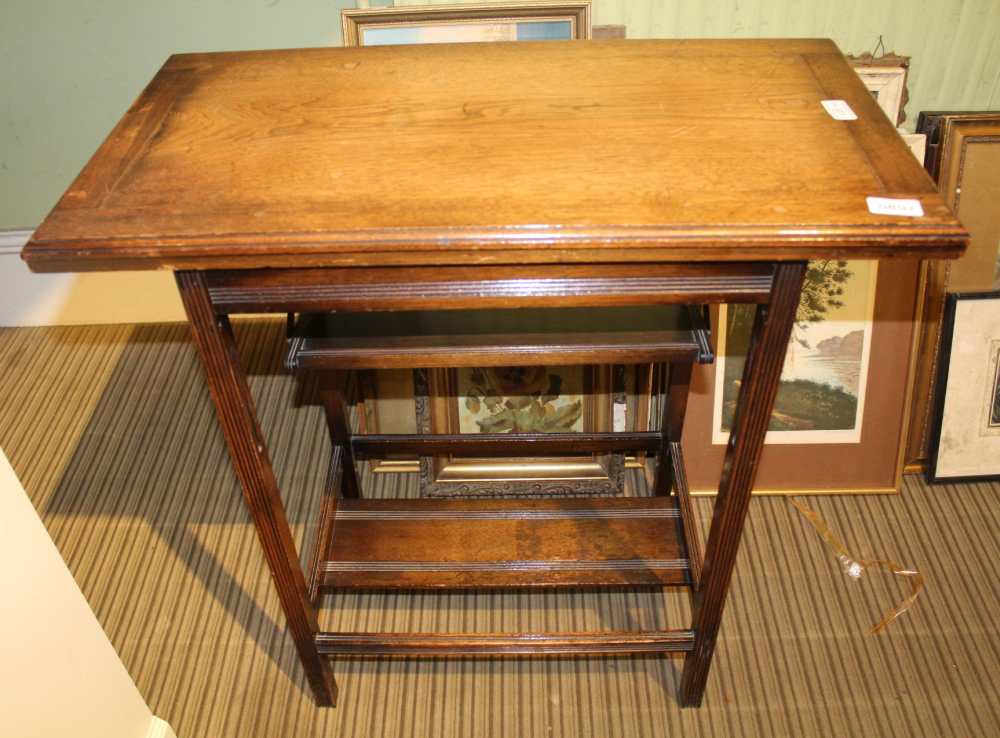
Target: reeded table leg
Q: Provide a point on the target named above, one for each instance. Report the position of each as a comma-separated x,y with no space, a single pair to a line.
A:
672,424
765,359
333,387
214,338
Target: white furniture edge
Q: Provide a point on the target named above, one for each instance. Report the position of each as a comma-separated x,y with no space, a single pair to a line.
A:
160,729
60,675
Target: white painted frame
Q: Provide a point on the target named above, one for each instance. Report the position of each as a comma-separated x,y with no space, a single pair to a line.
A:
887,84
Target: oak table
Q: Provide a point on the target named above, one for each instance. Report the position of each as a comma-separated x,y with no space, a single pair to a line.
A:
474,176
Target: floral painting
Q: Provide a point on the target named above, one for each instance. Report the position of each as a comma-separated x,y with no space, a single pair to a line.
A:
821,395
521,399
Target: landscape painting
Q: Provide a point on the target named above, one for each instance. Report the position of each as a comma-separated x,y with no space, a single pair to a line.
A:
822,391
467,31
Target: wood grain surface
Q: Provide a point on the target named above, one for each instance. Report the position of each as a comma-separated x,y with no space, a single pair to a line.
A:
495,153
496,543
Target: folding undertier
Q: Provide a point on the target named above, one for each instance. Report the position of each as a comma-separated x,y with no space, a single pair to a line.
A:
438,544
390,544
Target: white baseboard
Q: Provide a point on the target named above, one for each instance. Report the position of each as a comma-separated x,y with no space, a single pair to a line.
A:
12,240
28,299
160,729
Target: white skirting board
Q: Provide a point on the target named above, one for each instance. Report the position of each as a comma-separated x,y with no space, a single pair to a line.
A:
28,299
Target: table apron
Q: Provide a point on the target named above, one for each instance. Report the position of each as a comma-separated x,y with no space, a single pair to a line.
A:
483,287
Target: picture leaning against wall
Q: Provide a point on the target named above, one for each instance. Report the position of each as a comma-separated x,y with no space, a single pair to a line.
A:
821,397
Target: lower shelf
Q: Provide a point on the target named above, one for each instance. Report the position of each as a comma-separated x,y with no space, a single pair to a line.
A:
583,542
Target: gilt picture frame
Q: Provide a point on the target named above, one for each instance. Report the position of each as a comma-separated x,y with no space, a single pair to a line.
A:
512,21
965,422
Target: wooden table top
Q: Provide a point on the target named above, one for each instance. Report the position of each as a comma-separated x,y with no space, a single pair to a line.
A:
503,153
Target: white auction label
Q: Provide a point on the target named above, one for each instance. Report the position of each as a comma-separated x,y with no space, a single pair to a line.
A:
618,419
895,206
838,109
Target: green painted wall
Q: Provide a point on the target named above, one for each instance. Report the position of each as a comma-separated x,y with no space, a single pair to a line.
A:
70,67
954,44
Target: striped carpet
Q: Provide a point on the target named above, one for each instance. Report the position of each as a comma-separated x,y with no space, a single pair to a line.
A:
114,437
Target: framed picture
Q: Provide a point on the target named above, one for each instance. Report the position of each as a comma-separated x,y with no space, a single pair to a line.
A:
963,155
965,423
840,414
531,399
386,404
821,396
885,78
514,21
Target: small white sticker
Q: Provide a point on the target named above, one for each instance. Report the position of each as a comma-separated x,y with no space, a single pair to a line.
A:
895,206
618,420
838,109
